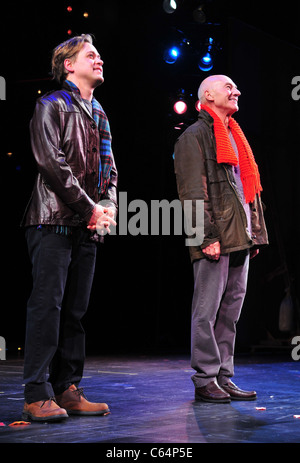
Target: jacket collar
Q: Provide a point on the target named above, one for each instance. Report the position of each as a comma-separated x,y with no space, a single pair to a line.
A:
206,117
76,94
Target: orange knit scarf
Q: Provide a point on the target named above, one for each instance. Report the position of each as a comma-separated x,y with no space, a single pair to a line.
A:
225,154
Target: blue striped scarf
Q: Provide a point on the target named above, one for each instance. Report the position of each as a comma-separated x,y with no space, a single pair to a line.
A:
106,162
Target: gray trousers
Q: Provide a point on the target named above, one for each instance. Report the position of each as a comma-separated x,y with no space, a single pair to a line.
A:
219,292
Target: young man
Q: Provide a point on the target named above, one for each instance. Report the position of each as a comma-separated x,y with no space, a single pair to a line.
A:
64,220
214,164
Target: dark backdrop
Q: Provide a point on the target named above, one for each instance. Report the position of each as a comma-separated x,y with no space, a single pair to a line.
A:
143,284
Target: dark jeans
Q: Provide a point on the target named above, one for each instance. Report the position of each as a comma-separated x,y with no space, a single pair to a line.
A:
63,270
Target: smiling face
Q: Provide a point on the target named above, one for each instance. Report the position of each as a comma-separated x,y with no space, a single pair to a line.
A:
87,68
221,94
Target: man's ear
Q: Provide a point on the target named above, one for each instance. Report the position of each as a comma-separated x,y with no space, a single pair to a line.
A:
208,95
68,65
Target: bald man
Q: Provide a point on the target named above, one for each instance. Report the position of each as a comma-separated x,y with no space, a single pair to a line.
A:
214,164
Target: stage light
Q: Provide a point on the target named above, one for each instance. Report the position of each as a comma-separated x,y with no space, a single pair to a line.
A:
69,8
206,61
180,102
169,6
86,15
180,107
198,105
171,55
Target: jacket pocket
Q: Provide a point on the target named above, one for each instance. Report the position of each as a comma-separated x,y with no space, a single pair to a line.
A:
215,171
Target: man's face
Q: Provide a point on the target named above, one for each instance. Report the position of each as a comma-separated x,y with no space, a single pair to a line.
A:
88,66
225,95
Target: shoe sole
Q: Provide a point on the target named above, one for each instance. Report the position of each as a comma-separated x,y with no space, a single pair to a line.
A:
86,413
29,417
212,401
244,398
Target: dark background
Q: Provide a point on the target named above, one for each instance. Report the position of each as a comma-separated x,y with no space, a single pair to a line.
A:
143,285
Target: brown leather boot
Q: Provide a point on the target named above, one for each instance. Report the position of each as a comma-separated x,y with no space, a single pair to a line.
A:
74,401
43,410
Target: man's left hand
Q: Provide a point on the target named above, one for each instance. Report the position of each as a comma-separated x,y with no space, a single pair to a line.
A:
254,253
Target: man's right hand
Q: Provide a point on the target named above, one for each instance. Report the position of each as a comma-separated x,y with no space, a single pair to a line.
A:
212,251
101,219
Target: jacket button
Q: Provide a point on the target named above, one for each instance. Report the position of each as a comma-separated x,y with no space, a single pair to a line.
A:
94,150
93,125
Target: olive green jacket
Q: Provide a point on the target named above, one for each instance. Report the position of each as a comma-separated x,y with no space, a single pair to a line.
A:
200,177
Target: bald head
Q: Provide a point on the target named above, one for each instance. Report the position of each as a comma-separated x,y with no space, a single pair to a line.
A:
208,85
220,93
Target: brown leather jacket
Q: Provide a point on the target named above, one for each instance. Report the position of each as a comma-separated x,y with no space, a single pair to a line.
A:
200,177
65,144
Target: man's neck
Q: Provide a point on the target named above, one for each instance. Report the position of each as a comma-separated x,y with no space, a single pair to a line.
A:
86,91
222,115
226,122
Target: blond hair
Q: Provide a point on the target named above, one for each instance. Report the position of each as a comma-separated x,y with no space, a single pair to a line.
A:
67,50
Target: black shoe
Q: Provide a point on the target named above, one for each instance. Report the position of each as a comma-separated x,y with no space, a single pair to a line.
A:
238,394
212,392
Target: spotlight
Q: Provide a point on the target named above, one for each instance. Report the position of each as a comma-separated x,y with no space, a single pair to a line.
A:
180,104
171,55
180,107
206,61
198,105
169,6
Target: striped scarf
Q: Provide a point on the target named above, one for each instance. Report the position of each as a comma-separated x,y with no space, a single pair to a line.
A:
106,162
225,154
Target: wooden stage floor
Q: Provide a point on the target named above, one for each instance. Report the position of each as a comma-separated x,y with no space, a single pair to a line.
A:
152,401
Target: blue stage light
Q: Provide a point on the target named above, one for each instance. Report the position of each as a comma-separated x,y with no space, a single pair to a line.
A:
206,61
171,55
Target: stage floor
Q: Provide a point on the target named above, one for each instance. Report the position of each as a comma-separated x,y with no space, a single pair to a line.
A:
152,401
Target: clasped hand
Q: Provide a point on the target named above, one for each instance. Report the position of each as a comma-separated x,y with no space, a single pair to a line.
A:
102,219
212,251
